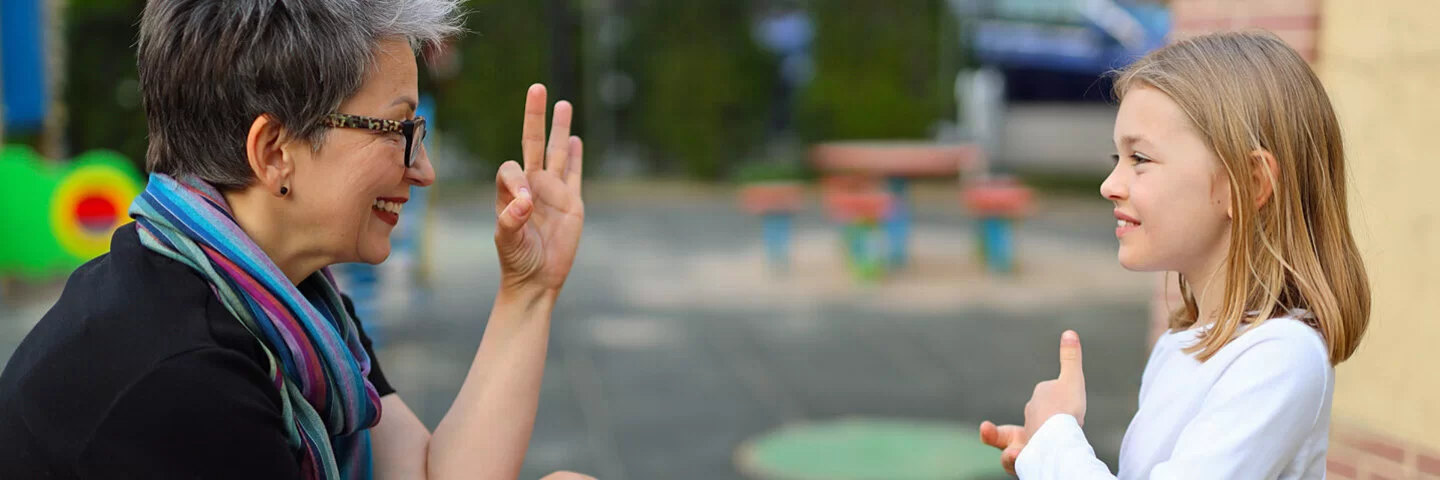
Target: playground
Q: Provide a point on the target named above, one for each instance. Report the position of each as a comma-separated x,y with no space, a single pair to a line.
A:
678,352
818,243
853,309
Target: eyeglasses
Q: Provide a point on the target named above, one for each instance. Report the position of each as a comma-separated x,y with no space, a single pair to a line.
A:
411,129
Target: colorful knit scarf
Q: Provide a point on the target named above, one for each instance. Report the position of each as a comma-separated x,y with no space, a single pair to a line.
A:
316,359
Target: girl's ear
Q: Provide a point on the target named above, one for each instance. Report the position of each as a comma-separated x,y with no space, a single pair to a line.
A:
1265,176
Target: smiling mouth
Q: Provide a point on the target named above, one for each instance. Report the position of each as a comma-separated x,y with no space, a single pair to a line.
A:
1123,226
388,211
387,206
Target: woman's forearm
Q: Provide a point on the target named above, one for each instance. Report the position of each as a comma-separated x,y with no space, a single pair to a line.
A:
487,430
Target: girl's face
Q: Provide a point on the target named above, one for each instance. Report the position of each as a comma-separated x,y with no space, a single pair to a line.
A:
1171,196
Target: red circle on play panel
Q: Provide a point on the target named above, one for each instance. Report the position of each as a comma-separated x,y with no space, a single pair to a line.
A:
96,213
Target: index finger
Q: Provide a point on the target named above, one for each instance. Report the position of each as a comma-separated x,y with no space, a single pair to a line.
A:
532,135
997,436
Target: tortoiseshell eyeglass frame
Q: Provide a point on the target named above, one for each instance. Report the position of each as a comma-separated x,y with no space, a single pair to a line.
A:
413,130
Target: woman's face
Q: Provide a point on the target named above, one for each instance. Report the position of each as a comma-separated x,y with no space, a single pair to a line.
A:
1171,198
349,191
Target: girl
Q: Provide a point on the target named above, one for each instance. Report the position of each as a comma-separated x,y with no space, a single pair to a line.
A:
1231,172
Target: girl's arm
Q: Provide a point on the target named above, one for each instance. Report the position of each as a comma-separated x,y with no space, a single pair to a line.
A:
1251,425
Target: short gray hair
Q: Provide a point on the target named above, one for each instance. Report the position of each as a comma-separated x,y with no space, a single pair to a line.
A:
208,68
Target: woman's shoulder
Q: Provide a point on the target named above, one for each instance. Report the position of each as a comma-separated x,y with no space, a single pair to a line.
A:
132,276
121,318
138,286
134,340
137,299
189,411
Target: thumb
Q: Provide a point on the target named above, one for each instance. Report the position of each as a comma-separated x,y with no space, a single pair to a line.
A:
510,224
1009,456
1070,366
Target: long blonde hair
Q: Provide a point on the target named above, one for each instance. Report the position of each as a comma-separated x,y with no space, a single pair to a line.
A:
1249,91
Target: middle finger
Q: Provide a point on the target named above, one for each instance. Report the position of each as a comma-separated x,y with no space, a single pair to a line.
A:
558,155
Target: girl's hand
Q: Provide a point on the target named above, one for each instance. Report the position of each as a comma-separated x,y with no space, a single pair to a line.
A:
1063,395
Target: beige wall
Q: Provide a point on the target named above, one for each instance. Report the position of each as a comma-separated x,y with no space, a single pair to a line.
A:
1380,62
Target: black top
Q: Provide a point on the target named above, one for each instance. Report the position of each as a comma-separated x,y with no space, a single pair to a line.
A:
139,371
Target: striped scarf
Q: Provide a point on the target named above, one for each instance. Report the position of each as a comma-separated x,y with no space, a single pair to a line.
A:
316,359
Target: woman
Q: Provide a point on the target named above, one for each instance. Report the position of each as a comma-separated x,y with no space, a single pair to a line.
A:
211,341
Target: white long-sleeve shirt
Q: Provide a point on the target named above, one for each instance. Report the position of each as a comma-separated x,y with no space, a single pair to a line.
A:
1258,409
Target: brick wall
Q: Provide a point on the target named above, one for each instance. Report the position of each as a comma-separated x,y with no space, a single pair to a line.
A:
1366,455
1295,21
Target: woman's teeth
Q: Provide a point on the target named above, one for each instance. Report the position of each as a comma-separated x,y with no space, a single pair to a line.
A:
1123,223
391,207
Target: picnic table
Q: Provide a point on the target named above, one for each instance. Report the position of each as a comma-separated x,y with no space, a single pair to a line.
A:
896,164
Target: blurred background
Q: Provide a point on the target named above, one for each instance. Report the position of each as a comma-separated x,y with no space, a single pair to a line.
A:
825,238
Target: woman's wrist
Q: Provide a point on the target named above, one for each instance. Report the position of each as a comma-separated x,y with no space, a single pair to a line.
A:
527,297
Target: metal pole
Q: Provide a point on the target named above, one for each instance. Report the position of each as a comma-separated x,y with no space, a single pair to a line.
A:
595,55
562,57
4,280
2,117
604,84
52,136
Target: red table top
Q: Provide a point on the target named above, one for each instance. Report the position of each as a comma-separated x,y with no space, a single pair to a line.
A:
903,159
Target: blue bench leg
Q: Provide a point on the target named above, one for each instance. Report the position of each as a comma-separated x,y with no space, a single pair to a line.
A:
897,227
853,234
777,240
998,243
865,249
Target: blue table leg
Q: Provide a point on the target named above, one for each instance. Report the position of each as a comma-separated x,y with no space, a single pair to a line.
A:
873,263
777,240
865,250
853,234
897,227
998,244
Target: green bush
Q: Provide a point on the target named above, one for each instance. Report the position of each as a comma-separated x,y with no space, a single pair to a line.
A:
703,85
761,172
883,70
101,87
505,51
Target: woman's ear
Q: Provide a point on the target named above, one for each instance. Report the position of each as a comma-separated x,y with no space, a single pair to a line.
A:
1265,176
265,150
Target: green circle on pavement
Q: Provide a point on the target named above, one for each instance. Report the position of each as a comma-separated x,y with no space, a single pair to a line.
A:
871,449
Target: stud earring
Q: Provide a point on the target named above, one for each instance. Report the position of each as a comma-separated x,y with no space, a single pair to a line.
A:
284,190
